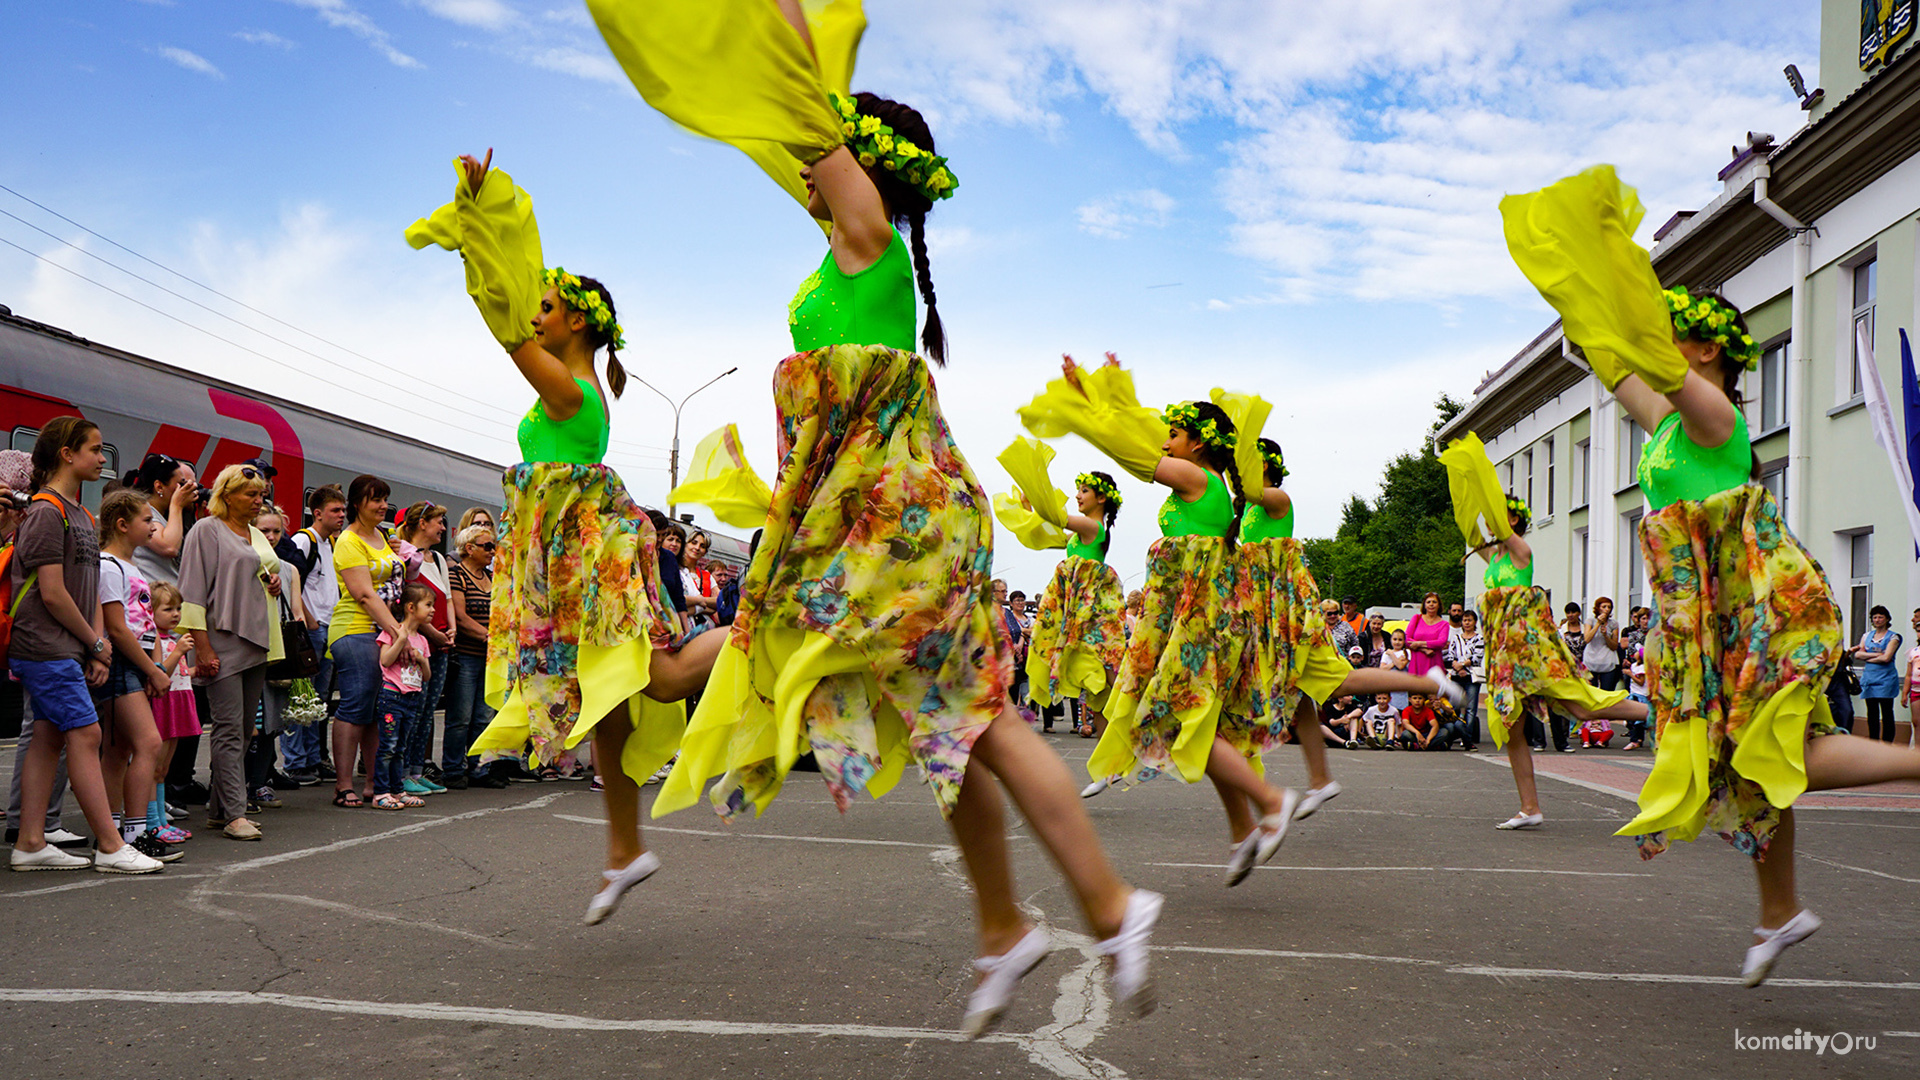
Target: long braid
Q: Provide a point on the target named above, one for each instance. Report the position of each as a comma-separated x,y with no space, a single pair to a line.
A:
934,336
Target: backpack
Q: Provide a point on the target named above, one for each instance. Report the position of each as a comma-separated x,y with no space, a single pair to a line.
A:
10,603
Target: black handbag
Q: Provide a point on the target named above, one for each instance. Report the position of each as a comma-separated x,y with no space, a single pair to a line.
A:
300,661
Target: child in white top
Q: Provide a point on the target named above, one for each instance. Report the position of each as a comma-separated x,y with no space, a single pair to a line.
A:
175,715
1381,723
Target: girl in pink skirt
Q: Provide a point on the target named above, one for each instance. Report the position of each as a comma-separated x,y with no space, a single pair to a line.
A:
174,712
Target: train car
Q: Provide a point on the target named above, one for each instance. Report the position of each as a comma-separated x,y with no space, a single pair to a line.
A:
145,406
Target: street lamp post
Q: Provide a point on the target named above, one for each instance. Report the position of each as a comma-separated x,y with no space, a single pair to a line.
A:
673,461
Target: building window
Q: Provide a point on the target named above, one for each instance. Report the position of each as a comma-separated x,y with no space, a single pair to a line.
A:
1582,567
1866,286
1506,471
1636,566
1582,472
1773,477
1631,443
1773,388
1549,492
1859,549
1526,461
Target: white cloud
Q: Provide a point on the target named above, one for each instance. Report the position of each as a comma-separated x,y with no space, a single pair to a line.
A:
1367,143
263,37
580,63
1118,215
484,14
344,16
190,60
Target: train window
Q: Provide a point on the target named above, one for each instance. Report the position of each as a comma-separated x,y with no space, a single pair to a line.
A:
23,438
91,493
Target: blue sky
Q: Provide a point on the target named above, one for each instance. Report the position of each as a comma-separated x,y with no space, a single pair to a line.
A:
1295,199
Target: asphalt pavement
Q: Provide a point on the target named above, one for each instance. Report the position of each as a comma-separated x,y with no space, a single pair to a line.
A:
1397,934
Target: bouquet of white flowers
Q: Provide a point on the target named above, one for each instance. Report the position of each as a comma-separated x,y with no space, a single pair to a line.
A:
304,705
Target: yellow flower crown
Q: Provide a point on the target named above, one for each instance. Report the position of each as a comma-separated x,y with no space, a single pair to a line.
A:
1273,459
872,141
1709,318
1186,417
1517,505
587,302
1100,486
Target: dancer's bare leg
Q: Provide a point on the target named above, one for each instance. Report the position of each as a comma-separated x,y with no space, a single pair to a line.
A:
620,792
1231,776
979,825
1837,762
1313,742
1045,793
1520,757
1625,709
1366,682
1775,876
674,676
1240,816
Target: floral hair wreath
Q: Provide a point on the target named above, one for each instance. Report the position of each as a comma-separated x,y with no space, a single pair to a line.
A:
1274,460
1100,486
1518,506
872,141
1709,318
587,302
1186,417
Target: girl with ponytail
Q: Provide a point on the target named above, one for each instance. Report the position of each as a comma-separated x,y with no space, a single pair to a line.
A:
1168,711
581,642
1079,634
867,610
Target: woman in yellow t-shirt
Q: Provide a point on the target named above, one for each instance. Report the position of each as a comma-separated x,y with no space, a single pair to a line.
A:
366,568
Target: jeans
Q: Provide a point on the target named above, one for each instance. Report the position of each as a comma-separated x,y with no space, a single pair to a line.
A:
420,736
1880,718
1537,734
356,671
1470,711
1606,680
468,713
304,746
1450,732
1637,729
395,713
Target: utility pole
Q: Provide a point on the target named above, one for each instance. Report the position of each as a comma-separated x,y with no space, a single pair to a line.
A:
673,460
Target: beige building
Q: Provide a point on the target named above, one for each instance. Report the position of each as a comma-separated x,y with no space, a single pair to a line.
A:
1811,236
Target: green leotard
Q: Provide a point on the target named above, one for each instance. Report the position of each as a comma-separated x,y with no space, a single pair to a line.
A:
580,439
1674,467
1078,548
1257,525
1209,515
1502,574
872,307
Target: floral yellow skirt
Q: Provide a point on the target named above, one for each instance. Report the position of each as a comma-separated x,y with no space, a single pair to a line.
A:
1748,637
866,632
1171,689
1079,635
1289,650
1529,666
576,616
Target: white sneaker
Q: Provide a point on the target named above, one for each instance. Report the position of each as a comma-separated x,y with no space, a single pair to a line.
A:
1314,798
1096,787
125,861
1448,689
1132,982
47,858
1761,957
618,882
64,837
1522,821
994,993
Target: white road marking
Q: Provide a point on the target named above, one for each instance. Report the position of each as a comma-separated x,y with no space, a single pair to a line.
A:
1419,869
96,880
1538,770
759,836
380,916
1634,797
1652,977
1860,869
1290,954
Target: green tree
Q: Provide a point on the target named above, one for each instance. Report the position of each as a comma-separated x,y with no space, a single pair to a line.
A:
1402,545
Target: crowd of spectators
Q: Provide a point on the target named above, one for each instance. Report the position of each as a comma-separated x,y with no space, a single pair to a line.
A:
338,652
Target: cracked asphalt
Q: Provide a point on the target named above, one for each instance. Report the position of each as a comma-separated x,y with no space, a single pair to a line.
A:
1396,935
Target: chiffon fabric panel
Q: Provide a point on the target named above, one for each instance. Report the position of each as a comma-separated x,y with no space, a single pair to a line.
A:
1079,635
1290,650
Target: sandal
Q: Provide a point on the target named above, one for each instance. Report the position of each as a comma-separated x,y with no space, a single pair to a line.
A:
411,801
548,773
348,799
385,801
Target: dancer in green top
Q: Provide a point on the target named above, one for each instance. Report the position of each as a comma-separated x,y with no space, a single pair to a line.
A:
581,639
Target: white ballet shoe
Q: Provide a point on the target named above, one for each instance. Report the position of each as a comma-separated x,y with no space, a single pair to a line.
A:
618,882
1522,821
1096,787
1132,982
1263,841
1447,688
994,993
1761,957
1315,798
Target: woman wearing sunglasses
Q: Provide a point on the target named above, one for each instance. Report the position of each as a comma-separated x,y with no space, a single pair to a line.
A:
470,598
